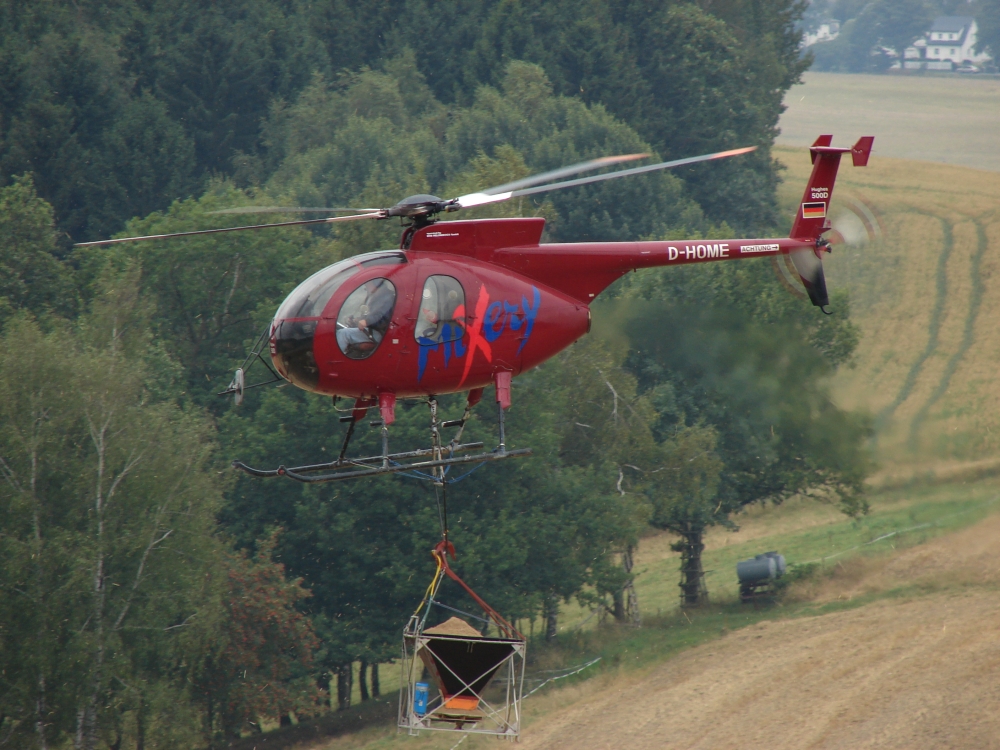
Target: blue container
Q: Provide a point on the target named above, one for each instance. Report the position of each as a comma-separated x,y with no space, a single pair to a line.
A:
420,696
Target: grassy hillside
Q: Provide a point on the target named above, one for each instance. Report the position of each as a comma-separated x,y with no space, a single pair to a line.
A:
891,643
805,531
925,296
897,668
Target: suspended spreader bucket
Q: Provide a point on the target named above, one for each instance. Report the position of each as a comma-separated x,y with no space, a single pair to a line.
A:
475,681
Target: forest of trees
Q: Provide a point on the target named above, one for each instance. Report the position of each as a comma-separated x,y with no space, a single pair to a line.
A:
151,598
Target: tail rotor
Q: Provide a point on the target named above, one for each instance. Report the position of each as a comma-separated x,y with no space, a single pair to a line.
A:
856,225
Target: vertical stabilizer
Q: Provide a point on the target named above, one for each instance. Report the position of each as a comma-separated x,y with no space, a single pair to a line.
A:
811,218
862,150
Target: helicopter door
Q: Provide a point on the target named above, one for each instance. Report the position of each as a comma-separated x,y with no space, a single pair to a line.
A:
440,326
441,318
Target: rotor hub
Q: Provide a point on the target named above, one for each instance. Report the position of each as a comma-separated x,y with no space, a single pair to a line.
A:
421,208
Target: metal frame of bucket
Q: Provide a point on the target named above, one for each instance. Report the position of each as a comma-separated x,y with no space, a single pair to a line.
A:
499,701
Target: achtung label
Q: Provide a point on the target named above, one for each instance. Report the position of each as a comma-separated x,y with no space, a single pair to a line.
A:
773,248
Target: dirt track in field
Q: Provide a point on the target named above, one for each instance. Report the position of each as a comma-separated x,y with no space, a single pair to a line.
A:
918,672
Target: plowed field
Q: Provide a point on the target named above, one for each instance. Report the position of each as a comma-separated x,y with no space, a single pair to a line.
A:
919,671
902,652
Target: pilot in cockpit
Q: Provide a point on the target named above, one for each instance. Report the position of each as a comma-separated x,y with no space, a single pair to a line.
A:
365,317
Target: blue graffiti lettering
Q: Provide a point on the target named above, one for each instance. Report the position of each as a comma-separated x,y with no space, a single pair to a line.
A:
511,310
530,313
426,347
499,317
446,337
494,315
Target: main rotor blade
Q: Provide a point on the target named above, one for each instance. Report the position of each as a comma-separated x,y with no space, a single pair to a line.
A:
287,210
555,174
328,220
480,199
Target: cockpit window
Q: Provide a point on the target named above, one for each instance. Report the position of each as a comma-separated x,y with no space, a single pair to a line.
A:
311,296
442,311
364,318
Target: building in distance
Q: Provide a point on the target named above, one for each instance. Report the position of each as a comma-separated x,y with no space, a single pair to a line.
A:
826,31
950,44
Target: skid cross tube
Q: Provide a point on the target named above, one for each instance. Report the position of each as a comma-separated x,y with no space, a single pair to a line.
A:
295,472
396,463
353,461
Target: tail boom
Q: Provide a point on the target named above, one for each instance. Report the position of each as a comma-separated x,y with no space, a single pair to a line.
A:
585,269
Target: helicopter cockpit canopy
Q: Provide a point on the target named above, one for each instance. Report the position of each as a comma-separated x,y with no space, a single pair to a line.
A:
295,322
309,298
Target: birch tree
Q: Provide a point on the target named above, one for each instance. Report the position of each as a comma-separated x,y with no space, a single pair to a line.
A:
106,518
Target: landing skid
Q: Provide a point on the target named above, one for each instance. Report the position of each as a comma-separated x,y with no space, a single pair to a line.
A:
441,455
389,464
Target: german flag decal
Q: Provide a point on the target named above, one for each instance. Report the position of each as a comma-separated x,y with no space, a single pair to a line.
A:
814,210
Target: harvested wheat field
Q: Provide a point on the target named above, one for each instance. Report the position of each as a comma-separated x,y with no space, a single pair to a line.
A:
922,272
896,673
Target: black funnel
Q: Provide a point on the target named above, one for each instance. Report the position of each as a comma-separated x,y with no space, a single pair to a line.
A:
462,661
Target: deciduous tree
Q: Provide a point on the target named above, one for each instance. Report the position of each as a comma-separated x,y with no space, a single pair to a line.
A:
747,364
988,21
107,509
33,277
257,662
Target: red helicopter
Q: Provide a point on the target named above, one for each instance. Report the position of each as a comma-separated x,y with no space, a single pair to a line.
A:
466,304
